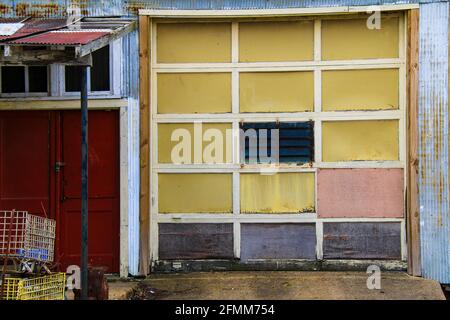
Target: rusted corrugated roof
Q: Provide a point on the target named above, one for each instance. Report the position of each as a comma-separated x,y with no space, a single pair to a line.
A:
63,32
65,38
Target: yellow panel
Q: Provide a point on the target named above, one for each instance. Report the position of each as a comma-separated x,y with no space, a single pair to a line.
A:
195,193
276,91
166,145
276,41
345,39
193,42
375,89
360,140
279,193
194,92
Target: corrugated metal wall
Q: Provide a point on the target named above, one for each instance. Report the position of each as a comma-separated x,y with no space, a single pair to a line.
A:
433,142
55,8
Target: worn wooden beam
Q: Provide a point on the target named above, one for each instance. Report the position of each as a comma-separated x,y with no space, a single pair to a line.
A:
103,41
413,226
144,203
43,57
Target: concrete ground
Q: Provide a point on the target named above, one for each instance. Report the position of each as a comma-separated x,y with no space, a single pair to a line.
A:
277,286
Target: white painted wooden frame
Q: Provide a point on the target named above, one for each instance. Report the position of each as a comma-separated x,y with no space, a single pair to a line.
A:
234,118
27,93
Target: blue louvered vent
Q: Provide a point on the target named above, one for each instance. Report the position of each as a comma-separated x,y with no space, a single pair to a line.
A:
296,142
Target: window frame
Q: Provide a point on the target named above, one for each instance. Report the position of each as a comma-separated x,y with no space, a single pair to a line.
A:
115,75
27,93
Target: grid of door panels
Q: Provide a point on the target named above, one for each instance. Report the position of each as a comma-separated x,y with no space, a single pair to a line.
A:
339,195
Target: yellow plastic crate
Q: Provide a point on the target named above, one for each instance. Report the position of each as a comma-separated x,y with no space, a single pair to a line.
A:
49,287
10,289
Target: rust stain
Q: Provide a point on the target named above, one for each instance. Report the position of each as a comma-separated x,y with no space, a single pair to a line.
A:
134,8
48,9
21,9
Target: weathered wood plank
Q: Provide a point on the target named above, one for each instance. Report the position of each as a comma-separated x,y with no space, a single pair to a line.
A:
278,241
144,132
42,57
361,240
180,241
413,219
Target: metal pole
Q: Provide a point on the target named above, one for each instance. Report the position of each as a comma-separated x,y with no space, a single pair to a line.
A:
84,183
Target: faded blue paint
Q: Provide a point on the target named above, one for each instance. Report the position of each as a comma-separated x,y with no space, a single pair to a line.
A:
55,8
433,142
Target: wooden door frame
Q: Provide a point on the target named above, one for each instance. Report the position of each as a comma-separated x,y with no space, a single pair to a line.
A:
412,194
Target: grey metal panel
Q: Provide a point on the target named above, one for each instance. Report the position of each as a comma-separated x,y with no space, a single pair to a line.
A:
361,240
181,241
278,241
433,142
130,77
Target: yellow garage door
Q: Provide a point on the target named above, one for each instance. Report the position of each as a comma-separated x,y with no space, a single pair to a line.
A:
332,86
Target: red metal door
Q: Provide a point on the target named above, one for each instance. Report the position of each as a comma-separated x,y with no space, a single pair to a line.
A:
103,189
26,154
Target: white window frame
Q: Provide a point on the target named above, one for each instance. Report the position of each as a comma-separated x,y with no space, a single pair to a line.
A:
27,93
115,76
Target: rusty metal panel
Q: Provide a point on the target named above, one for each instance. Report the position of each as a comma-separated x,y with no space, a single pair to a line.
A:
180,241
360,193
433,142
362,240
278,241
36,25
253,4
59,8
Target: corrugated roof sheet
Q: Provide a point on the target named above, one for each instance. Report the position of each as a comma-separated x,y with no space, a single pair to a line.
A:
62,32
65,38
34,26
433,142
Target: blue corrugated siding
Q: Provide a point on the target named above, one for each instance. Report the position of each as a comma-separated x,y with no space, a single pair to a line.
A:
433,114
55,8
433,142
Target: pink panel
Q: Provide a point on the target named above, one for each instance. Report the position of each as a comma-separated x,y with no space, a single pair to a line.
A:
360,193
